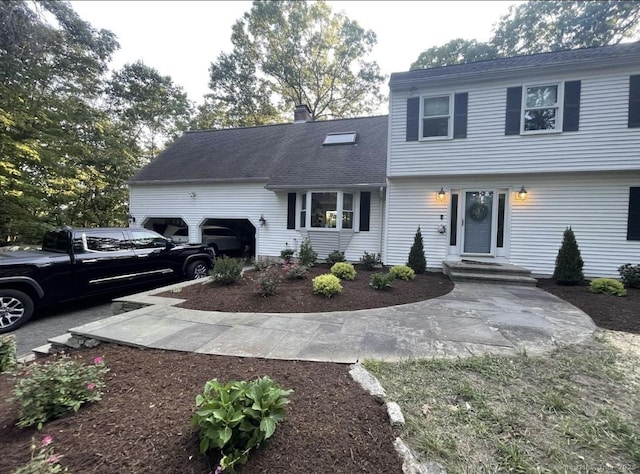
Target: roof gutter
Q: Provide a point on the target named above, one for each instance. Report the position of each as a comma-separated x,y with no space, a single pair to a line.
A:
197,181
299,187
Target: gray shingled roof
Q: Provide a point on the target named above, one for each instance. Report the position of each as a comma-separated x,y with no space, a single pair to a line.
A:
285,156
576,56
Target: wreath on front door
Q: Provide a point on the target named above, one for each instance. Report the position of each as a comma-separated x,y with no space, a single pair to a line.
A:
478,211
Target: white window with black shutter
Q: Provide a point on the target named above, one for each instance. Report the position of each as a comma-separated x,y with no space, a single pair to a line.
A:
437,117
329,210
543,108
633,218
634,102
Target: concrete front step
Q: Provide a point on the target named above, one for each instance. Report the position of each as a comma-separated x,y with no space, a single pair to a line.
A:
494,278
63,342
504,274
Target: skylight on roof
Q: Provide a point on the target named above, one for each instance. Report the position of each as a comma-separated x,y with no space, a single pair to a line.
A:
342,138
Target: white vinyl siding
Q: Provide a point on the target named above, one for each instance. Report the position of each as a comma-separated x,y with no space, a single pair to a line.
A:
603,142
595,205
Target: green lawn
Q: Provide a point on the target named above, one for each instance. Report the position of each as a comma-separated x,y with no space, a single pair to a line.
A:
575,410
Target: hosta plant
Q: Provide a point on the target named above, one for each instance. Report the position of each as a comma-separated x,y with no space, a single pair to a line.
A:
326,285
344,271
45,391
237,417
402,272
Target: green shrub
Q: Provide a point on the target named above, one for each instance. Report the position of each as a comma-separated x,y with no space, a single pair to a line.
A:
344,271
54,389
371,261
402,272
417,261
326,285
227,271
630,275
43,460
235,418
287,254
608,286
335,257
295,271
381,281
7,353
569,263
268,281
306,255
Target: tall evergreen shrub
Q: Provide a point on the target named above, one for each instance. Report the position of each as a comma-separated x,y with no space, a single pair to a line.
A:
569,263
417,261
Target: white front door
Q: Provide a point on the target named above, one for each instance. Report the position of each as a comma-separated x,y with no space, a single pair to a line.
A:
479,222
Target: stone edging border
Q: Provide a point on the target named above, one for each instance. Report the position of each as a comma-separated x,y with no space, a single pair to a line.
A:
410,464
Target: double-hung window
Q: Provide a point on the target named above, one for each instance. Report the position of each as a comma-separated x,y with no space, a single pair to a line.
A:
327,210
436,117
542,110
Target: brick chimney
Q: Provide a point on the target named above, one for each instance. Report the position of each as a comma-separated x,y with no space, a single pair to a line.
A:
302,114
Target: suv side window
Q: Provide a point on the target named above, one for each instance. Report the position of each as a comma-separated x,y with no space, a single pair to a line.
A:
100,241
147,240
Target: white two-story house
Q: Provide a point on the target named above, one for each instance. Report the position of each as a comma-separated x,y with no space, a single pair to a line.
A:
495,159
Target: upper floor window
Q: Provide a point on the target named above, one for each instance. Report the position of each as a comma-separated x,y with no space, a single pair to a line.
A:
436,117
541,108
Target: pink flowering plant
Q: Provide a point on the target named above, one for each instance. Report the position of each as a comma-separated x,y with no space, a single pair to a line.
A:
43,460
51,390
295,271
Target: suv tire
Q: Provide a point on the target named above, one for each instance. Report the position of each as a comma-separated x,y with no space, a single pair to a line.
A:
16,308
197,269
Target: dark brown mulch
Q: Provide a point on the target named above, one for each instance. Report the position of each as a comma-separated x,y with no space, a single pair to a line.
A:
608,312
296,296
142,423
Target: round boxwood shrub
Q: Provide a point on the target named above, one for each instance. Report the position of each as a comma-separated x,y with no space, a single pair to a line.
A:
402,272
607,286
344,271
326,285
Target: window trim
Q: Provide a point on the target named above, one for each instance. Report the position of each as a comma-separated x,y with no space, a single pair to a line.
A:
559,107
306,197
421,118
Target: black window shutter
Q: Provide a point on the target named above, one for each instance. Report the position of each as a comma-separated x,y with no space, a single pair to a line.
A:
413,119
634,101
291,211
571,118
514,112
460,105
365,210
453,223
633,222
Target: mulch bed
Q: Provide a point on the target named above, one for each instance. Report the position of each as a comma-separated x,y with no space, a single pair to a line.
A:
608,312
296,296
332,425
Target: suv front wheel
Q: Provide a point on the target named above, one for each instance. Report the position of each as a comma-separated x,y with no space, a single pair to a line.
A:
16,308
197,269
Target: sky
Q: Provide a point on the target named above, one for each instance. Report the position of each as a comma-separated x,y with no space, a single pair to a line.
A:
181,38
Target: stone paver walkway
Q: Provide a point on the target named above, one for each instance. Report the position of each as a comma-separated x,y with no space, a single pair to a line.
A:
474,318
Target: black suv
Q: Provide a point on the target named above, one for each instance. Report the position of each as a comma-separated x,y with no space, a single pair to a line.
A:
76,263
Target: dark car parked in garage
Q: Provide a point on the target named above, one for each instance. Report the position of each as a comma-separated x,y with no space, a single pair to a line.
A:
76,263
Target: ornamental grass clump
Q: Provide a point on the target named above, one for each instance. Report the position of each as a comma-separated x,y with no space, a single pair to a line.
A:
381,281
326,285
607,286
237,417
402,272
227,271
344,271
7,353
50,390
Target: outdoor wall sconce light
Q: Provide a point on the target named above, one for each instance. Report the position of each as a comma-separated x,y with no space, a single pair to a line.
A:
441,194
522,194
131,219
192,195
262,221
